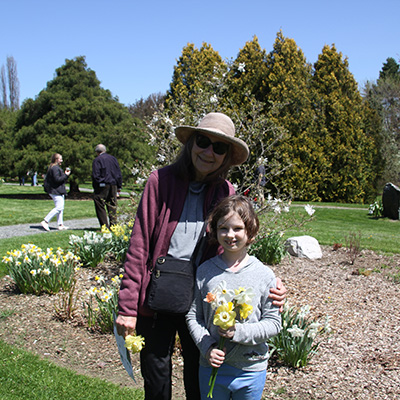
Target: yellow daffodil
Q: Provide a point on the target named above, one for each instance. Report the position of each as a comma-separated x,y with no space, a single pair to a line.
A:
134,343
225,316
245,310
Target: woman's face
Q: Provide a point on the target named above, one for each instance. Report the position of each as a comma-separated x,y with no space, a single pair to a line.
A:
59,160
205,160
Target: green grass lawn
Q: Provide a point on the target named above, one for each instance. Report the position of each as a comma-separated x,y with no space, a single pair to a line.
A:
21,211
24,376
333,225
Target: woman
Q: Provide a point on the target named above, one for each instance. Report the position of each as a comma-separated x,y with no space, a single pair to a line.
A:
55,187
169,220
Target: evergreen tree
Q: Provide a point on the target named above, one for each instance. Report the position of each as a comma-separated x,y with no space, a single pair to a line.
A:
349,150
193,69
390,70
70,117
289,90
246,75
383,101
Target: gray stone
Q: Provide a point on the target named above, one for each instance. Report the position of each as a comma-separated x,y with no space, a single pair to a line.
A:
391,201
304,247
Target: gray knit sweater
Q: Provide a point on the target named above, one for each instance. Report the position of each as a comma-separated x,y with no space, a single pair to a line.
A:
247,350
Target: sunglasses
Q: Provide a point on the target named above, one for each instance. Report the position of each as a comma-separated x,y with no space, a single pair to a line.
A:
219,148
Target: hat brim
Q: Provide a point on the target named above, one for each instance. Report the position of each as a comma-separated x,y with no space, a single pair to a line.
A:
240,150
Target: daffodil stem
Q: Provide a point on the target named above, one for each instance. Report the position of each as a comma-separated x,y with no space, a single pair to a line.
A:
214,371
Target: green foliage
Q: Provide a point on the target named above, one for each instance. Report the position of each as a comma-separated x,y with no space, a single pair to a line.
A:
35,271
270,248
299,338
376,209
91,248
119,235
103,303
25,376
382,100
289,88
70,117
349,152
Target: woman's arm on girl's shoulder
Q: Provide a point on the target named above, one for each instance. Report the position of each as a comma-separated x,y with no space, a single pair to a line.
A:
278,294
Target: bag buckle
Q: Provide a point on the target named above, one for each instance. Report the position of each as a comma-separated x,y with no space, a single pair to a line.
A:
161,260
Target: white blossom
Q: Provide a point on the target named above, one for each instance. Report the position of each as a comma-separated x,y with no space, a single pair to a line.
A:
241,67
309,209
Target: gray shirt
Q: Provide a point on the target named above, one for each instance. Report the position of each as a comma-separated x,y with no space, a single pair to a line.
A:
187,232
248,349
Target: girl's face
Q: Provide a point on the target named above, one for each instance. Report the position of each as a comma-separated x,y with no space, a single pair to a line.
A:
205,160
59,160
232,234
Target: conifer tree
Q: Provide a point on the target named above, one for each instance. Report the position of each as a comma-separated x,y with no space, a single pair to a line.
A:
70,116
193,69
289,90
349,150
246,75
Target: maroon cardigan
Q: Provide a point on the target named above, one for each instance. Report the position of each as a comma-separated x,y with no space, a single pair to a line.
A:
157,216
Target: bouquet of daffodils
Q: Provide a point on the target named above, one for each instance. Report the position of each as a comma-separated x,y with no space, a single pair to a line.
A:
230,306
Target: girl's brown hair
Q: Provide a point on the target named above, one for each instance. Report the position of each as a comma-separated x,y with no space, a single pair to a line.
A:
241,205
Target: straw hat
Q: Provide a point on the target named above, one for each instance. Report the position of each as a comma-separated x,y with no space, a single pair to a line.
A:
219,126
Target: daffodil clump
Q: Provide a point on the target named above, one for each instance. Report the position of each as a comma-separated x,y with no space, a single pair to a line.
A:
119,236
300,336
36,271
230,306
134,343
91,247
102,302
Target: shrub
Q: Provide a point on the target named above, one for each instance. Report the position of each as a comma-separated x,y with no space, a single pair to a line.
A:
35,271
119,239
376,209
91,248
298,340
103,301
269,249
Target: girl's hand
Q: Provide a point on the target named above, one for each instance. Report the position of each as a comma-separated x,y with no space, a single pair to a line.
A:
215,357
227,333
278,295
125,325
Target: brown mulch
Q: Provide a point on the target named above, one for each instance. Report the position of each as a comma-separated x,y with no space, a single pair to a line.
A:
359,360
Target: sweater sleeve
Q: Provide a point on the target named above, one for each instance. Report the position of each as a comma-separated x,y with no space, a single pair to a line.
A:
137,257
196,323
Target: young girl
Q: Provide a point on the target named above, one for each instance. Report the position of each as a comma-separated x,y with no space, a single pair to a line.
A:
243,361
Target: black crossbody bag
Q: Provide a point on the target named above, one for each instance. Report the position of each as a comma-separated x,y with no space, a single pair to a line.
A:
172,282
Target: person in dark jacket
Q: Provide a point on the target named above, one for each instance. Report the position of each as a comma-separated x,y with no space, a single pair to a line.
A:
107,183
55,186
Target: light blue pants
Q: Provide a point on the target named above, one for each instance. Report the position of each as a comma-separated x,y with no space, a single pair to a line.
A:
57,210
233,383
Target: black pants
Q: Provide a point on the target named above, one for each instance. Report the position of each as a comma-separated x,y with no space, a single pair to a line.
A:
106,196
155,359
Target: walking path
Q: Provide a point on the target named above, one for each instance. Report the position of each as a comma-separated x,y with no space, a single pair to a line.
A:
35,228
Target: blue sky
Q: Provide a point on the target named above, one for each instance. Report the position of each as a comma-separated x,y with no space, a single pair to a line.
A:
133,45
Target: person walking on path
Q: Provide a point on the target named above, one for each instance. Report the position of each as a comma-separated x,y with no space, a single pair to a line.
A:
54,185
169,221
107,183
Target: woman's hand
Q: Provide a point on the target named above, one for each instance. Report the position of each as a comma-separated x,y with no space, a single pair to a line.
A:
125,325
278,295
215,357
